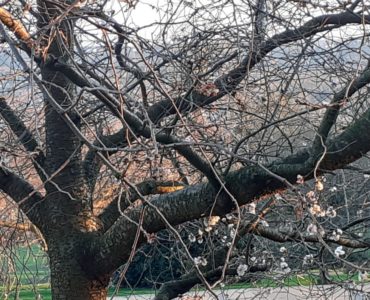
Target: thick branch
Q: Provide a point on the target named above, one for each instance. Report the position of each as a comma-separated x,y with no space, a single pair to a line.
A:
245,185
16,27
172,289
150,187
21,192
135,124
24,135
229,82
17,126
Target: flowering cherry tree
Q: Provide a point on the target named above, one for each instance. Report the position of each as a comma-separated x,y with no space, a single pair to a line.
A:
233,114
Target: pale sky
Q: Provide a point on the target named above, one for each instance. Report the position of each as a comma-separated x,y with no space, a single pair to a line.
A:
143,14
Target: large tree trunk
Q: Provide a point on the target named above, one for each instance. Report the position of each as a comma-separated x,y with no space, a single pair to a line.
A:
70,282
72,275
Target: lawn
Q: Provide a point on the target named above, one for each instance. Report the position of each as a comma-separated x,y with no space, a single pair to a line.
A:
30,292
31,278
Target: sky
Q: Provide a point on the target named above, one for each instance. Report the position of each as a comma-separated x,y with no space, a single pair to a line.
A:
143,14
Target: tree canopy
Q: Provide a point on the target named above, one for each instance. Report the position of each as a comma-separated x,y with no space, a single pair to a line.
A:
219,111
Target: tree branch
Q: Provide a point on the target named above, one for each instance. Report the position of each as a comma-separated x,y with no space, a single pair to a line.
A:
24,135
134,123
112,212
173,289
337,102
22,193
229,82
245,185
17,28
282,237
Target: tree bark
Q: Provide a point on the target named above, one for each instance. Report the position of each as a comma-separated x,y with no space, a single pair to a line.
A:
69,281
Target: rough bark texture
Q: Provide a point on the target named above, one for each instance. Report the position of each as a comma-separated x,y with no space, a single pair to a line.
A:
84,250
70,282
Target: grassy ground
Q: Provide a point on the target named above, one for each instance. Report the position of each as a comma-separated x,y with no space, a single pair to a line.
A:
30,292
31,278
25,265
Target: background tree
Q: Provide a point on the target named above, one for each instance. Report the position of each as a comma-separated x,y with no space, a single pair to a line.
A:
226,103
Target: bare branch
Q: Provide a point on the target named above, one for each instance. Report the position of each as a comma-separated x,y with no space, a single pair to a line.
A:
229,81
21,192
16,27
245,185
112,212
24,135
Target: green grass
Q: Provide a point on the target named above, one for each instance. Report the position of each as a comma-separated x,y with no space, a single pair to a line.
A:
32,277
28,292
31,265
295,280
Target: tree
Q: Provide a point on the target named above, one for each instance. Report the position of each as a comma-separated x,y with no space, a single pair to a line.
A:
228,103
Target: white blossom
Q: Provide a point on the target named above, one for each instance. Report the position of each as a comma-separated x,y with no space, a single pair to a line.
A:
224,239
282,249
333,189
362,276
339,251
331,212
300,179
200,261
308,259
251,208
242,269
191,238
312,229
208,229
335,235
284,266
